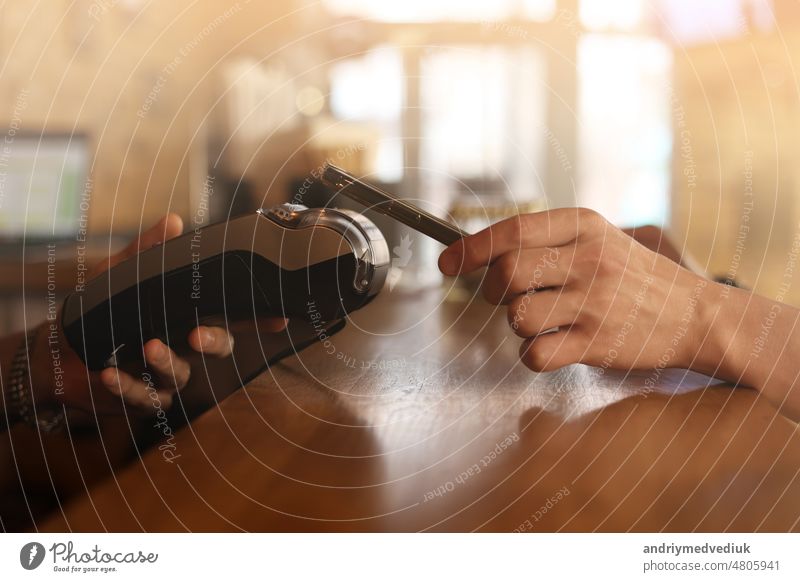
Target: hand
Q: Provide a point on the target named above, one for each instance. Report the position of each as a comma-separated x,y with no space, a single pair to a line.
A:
615,304
100,392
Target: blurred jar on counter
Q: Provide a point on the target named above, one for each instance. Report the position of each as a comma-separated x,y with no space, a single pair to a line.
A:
473,212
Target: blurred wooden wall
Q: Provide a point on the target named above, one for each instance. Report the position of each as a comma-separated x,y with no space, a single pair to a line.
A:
141,78
736,174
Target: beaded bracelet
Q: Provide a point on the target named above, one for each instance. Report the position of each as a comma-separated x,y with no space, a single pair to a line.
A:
19,391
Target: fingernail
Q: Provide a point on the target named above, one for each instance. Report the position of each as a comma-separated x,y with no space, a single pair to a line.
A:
206,337
108,377
450,261
160,351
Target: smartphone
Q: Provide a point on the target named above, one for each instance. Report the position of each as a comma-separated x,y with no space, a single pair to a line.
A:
383,202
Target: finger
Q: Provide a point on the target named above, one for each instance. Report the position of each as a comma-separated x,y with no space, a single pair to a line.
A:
211,341
534,313
527,270
273,324
168,227
114,383
139,393
551,351
173,372
542,229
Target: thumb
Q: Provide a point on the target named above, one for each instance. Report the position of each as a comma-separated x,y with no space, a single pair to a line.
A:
168,227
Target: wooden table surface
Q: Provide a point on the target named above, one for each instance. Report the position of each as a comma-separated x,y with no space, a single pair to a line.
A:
419,416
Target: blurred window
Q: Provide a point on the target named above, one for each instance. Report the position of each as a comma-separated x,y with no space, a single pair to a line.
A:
613,14
483,120
624,131
486,111
440,10
688,21
679,21
369,88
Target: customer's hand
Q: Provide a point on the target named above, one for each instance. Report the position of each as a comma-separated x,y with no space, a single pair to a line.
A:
100,392
615,304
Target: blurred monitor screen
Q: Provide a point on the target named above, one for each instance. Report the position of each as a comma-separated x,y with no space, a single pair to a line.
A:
42,178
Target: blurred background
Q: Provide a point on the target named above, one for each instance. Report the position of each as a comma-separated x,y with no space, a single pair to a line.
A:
674,113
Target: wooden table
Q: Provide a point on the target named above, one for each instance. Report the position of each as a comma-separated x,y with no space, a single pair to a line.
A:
419,416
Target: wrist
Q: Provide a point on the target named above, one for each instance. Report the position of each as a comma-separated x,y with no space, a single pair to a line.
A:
721,313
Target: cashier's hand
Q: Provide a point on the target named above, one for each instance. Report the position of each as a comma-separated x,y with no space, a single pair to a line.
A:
99,392
615,303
